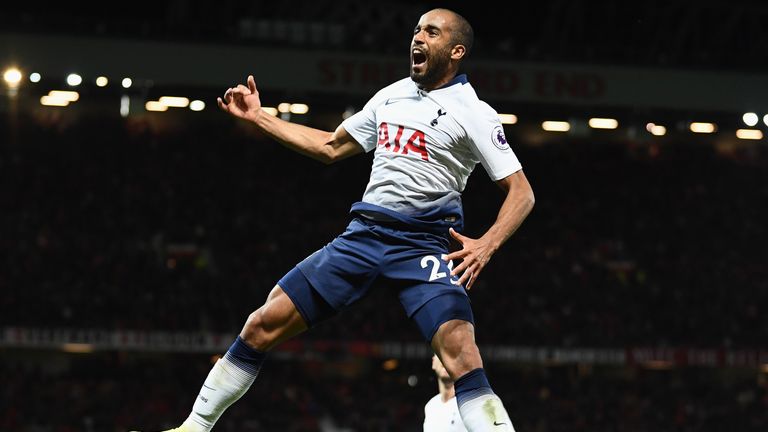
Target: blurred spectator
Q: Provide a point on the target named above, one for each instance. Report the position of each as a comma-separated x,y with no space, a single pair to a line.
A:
441,413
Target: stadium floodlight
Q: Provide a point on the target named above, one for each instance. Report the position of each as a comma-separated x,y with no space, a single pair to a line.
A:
51,101
74,79
656,130
749,134
69,96
155,106
284,107
197,105
508,118
765,119
299,108
556,126
12,77
703,127
102,81
127,83
34,77
174,101
125,106
750,119
603,123
270,110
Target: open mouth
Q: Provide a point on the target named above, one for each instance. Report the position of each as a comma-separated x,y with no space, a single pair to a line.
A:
418,58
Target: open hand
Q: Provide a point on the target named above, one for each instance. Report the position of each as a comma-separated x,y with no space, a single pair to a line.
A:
475,254
242,101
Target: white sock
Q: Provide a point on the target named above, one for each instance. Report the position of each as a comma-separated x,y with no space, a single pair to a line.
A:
225,384
485,412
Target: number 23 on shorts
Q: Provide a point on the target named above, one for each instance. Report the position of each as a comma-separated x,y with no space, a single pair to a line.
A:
434,263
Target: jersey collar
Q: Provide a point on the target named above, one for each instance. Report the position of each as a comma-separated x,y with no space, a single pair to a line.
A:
458,79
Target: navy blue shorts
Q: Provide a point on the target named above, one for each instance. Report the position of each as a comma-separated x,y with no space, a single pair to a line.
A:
410,261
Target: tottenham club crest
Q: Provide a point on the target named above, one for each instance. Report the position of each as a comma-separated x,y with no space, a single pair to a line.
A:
498,138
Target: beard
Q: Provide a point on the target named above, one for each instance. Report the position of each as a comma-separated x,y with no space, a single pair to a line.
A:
436,68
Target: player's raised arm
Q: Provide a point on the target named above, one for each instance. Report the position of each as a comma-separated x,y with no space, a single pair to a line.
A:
327,147
476,253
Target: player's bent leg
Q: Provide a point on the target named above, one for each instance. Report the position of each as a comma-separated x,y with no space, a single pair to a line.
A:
232,375
454,343
275,322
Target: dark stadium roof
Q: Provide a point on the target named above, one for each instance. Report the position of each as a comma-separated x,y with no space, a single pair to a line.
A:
703,34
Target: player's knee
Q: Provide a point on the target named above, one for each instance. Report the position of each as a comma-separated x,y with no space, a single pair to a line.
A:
274,322
252,330
455,343
257,332
460,361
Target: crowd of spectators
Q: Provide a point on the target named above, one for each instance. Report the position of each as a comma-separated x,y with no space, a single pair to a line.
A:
105,227
107,223
119,392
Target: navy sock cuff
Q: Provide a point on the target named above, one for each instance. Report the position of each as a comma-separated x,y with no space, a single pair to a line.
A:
471,385
245,357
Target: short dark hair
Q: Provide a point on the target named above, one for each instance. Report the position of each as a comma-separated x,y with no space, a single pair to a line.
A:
462,33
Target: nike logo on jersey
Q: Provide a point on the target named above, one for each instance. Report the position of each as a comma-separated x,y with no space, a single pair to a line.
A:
415,144
440,112
395,100
495,423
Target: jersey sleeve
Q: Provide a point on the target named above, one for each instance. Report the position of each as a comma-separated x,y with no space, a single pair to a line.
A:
362,124
488,143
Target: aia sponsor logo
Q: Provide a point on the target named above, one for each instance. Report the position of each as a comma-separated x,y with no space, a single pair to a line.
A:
393,138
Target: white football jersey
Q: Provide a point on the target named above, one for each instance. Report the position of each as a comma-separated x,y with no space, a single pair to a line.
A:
442,416
427,144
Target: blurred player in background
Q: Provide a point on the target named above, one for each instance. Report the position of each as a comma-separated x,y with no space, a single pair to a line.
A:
428,132
441,413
